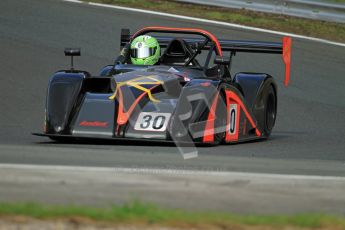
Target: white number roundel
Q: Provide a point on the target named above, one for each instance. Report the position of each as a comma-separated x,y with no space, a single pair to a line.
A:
233,114
152,121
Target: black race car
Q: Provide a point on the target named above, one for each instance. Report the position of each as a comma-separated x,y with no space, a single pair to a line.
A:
188,97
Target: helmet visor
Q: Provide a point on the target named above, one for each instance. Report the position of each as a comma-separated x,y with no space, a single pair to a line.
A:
142,52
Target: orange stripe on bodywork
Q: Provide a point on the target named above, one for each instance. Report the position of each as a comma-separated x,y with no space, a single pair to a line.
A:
122,116
231,96
209,127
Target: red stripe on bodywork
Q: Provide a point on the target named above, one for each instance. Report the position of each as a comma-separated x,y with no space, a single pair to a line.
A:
287,42
209,127
232,137
172,29
122,116
231,96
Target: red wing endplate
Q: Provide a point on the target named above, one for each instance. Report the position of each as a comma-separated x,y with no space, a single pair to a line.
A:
287,42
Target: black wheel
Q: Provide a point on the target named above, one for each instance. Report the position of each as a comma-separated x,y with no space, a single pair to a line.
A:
270,111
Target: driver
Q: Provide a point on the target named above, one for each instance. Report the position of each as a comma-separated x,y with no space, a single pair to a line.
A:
144,50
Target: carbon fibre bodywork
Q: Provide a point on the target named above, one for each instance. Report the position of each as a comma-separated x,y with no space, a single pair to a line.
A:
164,102
76,109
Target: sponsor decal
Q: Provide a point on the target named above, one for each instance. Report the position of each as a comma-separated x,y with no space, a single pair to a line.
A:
205,84
94,124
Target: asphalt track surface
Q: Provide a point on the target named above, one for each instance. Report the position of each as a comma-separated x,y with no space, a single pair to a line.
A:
308,137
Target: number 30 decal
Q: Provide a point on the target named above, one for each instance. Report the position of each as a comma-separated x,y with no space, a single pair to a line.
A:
152,121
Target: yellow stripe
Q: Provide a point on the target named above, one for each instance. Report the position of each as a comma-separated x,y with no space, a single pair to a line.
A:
134,83
144,83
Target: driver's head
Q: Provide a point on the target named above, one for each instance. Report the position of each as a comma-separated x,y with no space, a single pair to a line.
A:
145,50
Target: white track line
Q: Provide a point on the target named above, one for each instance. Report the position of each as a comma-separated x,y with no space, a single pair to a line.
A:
74,1
172,172
211,22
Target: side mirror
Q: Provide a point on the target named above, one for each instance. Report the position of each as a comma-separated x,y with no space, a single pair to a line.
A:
221,60
125,36
72,52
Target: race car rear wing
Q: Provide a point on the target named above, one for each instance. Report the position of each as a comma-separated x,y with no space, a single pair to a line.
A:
233,46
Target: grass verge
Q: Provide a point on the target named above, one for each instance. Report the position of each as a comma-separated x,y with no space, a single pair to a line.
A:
308,27
337,1
138,213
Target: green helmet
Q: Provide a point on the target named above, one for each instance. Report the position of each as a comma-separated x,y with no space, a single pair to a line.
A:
145,50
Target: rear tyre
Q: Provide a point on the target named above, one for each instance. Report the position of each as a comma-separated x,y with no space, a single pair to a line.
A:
270,111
